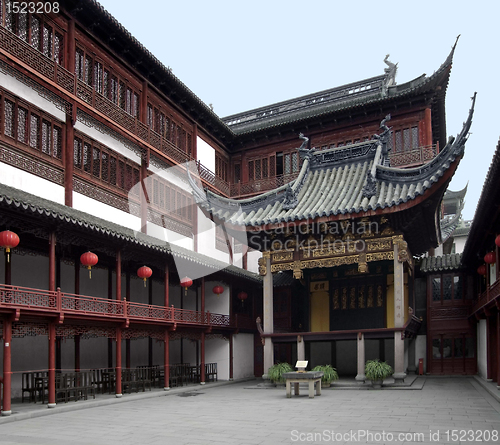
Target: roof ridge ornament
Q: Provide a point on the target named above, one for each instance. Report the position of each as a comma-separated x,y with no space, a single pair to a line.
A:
390,73
304,152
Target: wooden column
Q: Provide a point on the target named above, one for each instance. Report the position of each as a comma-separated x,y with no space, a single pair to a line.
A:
127,341
68,160
118,368
202,341
166,293
399,345
144,197
150,340
428,127
498,346
166,361
77,292
360,377
52,365
8,267
202,361
52,262
7,367
268,314
110,297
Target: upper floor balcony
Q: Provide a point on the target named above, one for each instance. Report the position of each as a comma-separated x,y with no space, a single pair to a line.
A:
29,303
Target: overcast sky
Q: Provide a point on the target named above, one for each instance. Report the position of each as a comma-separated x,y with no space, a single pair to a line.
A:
239,55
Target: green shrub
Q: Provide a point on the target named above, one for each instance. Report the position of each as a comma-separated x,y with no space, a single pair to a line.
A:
329,373
275,372
377,370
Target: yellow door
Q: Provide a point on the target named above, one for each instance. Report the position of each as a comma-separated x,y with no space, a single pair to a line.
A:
320,311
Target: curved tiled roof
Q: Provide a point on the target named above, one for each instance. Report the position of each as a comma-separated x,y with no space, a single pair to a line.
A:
26,202
333,182
451,261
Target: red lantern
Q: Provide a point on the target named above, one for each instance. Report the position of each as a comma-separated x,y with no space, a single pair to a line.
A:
217,290
481,270
89,259
185,283
242,296
8,240
490,258
144,272
497,240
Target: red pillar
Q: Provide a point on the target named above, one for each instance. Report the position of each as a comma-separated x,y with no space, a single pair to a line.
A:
118,362
7,369
127,341
52,365
498,347
167,283
77,337
202,364
68,159
166,361
52,262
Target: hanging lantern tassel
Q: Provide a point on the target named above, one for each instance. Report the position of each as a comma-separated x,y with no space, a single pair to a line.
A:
217,290
89,259
185,283
144,272
242,296
8,240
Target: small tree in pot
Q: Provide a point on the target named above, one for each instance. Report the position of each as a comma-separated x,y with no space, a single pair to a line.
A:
329,374
377,372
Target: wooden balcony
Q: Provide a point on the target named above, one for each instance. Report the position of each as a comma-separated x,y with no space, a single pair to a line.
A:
245,189
24,301
489,297
413,158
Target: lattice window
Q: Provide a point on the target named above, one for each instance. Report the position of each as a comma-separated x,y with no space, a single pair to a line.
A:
47,41
23,27
99,77
9,118
295,162
406,139
150,116
77,152
22,125
288,165
87,157
414,137
447,287
398,141
79,63
57,142
237,173
251,170
35,32
272,166
96,162
121,95
34,131
105,167
45,137
113,90
58,48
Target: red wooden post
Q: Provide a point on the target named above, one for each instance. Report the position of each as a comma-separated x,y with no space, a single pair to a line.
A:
202,364
498,346
166,361
118,275
7,370
69,160
118,362
127,298
52,365
167,283
52,262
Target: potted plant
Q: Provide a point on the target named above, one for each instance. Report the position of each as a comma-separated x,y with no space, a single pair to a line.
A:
329,374
276,371
377,372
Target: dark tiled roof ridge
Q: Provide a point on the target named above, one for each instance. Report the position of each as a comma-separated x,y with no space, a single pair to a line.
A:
446,262
27,201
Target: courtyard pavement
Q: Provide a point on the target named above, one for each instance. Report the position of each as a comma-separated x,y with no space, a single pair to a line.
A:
454,410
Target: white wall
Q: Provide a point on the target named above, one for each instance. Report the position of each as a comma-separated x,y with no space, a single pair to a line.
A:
482,349
217,351
213,303
243,356
29,183
206,154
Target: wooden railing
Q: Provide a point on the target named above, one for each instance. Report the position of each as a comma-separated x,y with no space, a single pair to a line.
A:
241,189
491,293
38,301
412,158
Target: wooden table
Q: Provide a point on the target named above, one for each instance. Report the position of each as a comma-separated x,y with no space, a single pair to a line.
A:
312,378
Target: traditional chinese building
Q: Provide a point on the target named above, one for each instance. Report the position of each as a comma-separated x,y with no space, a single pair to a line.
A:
96,139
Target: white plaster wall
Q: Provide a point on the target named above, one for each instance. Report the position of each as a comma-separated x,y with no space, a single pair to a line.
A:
26,92
29,183
252,261
108,141
216,304
460,243
206,239
206,154
482,349
421,350
243,356
217,351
